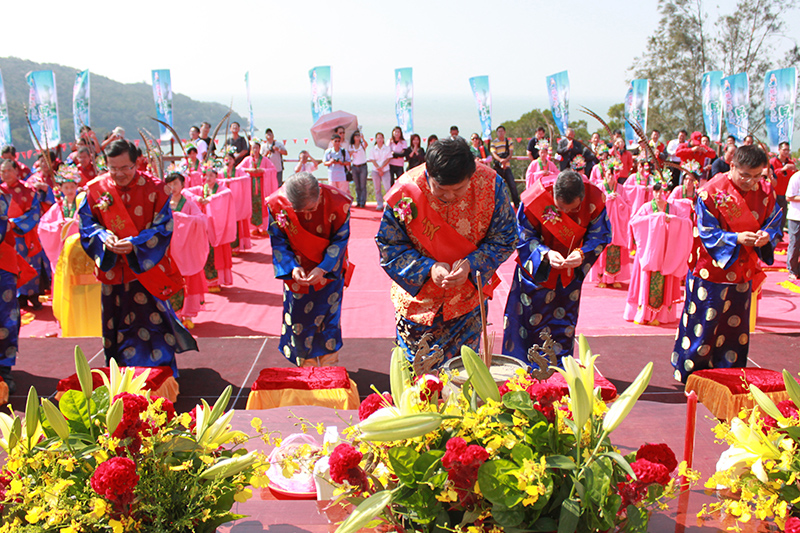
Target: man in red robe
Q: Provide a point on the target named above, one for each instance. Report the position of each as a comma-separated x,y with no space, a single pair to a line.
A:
126,227
737,226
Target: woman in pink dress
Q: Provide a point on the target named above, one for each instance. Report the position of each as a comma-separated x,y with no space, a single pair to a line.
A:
240,185
192,167
663,234
264,181
613,266
216,201
189,249
60,214
541,168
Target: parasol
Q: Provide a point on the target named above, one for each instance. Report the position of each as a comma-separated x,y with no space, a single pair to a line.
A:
323,128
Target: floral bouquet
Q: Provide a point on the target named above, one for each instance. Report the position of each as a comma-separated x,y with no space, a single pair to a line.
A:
760,472
119,459
488,458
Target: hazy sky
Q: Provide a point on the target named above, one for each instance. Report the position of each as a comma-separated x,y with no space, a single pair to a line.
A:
208,46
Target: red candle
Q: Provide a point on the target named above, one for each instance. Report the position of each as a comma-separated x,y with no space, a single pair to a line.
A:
691,422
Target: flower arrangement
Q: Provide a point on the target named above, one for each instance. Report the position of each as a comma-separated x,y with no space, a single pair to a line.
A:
761,468
405,210
551,214
105,201
119,459
488,458
691,166
722,198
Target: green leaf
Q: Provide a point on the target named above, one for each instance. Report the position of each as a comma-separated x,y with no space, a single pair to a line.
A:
426,464
508,517
518,400
765,403
620,460
100,399
76,408
114,416
520,453
402,460
399,373
365,512
545,524
560,461
637,519
569,517
498,483
177,445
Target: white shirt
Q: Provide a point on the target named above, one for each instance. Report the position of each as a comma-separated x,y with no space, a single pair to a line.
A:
793,189
358,155
275,157
202,147
381,155
672,147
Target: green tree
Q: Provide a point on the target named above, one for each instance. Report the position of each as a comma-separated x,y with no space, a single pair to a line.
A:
751,38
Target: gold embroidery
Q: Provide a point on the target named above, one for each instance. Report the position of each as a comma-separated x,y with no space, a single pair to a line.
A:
429,229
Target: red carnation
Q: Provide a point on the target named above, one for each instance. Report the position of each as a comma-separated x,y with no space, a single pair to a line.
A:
545,393
115,480
792,525
648,472
344,463
372,403
504,389
658,453
462,463
430,385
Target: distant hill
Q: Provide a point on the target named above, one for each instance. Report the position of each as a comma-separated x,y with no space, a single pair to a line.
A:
129,105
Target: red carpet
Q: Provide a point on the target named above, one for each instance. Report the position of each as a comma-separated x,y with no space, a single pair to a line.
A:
253,305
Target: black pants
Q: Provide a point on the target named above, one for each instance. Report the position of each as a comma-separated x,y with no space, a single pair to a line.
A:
395,171
508,177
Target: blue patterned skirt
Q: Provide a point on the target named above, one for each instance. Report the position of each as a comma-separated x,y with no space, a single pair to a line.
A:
312,322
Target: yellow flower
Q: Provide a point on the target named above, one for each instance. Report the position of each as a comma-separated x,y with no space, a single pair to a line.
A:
447,495
15,487
35,514
256,424
68,463
243,495
99,507
116,525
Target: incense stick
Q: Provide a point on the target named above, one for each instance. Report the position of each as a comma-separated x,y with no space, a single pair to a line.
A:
487,356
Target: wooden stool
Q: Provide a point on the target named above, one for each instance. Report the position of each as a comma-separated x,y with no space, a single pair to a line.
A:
724,392
160,382
327,386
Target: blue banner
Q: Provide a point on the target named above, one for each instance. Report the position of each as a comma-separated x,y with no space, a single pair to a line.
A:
162,94
780,95
711,88
321,91
483,97
5,124
251,124
558,94
404,100
43,108
636,103
80,102
736,97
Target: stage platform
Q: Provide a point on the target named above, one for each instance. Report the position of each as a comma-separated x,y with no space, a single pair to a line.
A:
265,514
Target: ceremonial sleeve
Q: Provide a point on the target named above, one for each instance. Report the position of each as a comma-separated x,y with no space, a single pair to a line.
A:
720,244
767,252
283,258
150,245
500,239
334,254
531,249
405,264
597,237
4,201
28,220
94,237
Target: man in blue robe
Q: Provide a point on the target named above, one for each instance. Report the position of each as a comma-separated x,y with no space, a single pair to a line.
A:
126,227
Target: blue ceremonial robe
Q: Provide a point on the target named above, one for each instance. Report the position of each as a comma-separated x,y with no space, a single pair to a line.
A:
533,308
410,269
714,330
311,324
9,306
138,328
